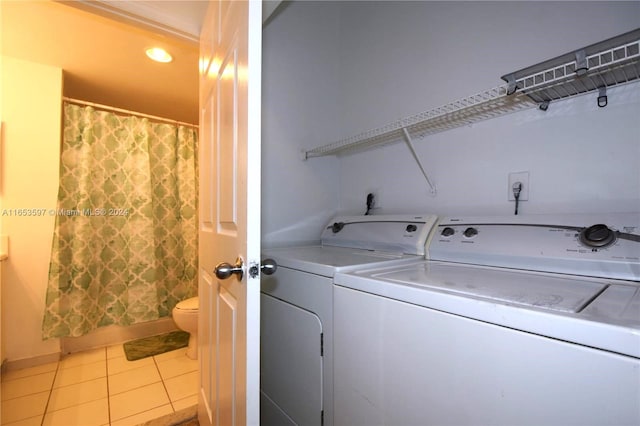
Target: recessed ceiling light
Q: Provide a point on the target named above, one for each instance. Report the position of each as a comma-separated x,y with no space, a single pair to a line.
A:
159,55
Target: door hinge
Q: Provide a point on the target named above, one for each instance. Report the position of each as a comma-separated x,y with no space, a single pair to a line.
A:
321,344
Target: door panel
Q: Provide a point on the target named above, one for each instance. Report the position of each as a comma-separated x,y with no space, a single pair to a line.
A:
206,343
292,360
227,323
227,158
206,172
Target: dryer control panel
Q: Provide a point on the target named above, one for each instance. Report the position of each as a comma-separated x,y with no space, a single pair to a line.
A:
606,246
405,234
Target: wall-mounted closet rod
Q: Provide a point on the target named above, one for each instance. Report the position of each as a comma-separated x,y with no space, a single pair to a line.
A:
407,139
126,111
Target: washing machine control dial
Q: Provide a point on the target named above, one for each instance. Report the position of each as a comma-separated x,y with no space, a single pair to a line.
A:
597,236
448,231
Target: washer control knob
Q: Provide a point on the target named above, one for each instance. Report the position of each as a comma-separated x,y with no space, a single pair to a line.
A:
411,228
470,232
448,231
597,236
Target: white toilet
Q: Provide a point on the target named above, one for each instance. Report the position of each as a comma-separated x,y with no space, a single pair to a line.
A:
185,315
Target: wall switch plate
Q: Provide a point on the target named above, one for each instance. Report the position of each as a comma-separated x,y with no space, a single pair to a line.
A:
523,178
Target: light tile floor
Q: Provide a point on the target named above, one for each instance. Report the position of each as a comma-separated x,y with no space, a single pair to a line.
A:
99,388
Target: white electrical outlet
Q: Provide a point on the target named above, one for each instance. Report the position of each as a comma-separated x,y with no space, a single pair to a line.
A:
523,178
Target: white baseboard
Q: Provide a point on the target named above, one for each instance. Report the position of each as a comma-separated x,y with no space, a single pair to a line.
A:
100,338
19,364
113,335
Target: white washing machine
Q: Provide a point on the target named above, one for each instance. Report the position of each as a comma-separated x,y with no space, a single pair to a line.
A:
511,321
297,310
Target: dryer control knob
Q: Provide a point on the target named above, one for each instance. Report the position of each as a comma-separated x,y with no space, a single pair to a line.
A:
337,227
470,232
597,236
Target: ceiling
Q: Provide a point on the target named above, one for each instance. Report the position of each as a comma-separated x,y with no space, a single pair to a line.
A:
181,18
103,58
100,45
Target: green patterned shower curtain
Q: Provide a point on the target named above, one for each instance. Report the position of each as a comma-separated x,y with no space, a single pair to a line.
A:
125,244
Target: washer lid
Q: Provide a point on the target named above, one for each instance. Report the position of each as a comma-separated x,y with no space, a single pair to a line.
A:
553,292
190,304
618,303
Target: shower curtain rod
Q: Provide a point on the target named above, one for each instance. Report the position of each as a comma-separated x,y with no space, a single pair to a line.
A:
126,111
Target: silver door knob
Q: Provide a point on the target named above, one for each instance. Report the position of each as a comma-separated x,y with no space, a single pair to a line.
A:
269,266
224,270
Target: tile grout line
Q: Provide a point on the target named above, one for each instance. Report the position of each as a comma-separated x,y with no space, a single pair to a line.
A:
155,362
53,382
106,370
58,372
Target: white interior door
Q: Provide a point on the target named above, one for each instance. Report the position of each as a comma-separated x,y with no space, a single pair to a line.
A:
229,322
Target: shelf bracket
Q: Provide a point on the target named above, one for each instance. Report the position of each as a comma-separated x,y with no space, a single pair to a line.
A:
512,84
407,139
602,97
581,63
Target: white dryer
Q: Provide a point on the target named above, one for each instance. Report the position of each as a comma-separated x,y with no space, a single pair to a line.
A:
513,321
297,309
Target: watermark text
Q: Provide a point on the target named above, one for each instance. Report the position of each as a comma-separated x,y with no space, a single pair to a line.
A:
37,212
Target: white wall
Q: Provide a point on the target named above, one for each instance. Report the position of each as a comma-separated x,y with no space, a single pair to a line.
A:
300,110
334,69
31,112
580,159
399,59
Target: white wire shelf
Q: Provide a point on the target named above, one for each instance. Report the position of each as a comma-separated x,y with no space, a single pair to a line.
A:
608,63
479,107
605,64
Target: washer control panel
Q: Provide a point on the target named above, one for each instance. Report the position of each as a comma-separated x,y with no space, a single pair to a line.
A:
598,236
606,246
